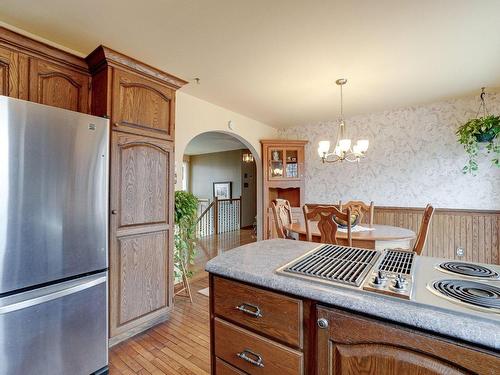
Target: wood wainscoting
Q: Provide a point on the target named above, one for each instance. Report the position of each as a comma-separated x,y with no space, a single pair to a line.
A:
477,232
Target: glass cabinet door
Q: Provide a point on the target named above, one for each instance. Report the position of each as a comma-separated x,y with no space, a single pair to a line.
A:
292,164
276,163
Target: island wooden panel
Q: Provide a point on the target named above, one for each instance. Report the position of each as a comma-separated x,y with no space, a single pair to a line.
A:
477,232
352,344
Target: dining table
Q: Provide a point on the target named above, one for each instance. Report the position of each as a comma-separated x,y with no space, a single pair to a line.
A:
371,236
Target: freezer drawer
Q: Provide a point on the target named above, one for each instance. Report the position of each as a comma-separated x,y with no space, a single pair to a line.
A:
60,329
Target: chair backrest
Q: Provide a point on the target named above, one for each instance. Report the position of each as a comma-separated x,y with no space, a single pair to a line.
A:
365,211
326,225
282,212
424,227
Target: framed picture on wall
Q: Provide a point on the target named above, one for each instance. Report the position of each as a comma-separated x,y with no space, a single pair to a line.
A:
223,190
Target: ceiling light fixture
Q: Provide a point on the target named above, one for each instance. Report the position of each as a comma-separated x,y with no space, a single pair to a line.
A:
343,150
247,158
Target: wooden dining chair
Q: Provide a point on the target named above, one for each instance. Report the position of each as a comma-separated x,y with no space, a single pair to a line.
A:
327,226
365,210
282,212
424,228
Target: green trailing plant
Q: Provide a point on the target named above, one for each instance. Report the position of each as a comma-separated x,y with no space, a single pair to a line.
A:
186,205
477,130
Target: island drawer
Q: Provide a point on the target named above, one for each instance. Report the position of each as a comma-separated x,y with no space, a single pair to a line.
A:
272,314
254,354
224,368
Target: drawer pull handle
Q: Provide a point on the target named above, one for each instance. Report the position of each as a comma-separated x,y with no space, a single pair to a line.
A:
251,357
250,309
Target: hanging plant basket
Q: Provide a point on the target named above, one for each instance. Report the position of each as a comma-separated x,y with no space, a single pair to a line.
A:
485,137
485,129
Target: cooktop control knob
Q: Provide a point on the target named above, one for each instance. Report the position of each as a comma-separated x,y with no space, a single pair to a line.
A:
377,280
398,284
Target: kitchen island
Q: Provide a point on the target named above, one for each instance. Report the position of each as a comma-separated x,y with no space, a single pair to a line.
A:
263,322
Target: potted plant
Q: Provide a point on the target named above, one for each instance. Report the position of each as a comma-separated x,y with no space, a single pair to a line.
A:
186,206
485,129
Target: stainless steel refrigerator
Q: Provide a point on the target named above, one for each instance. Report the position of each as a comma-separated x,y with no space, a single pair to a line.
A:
53,240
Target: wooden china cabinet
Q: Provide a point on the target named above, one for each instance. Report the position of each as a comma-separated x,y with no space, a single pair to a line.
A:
283,166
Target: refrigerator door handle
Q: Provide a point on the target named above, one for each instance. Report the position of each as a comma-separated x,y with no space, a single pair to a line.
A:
62,291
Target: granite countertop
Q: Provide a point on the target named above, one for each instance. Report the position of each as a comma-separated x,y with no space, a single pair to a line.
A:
256,263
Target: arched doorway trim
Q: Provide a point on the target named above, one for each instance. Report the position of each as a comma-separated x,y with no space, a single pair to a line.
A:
258,165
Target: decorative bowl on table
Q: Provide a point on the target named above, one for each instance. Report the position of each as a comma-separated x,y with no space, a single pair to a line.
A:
355,218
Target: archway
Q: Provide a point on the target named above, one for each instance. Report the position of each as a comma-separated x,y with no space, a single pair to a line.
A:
256,157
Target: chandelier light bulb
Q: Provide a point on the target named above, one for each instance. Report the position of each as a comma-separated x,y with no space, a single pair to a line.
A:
324,147
338,151
363,145
345,145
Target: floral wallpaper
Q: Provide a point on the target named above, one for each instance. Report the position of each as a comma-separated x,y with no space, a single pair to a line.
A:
413,159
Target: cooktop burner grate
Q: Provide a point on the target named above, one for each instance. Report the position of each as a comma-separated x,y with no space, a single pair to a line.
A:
472,293
341,264
468,269
397,261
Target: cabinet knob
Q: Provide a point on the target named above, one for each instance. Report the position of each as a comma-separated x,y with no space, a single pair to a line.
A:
114,212
322,323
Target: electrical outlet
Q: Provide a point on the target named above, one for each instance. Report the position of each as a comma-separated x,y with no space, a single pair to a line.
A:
460,252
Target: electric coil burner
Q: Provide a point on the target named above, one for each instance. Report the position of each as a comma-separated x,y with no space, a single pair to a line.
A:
471,293
468,270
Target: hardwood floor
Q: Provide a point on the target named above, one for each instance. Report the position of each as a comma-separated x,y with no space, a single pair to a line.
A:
177,346
211,246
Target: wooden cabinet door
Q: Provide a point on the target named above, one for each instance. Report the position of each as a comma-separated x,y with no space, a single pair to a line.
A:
142,106
13,73
356,345
57,86
141,225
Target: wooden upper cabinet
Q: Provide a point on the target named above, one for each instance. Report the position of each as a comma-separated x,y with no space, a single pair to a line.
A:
352,344
138,98
57,86
143,105
13,73
35,71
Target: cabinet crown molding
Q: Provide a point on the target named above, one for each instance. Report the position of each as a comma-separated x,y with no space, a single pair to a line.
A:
34,48
104,56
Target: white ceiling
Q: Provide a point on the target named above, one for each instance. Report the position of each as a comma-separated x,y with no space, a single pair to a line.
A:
208,143
276,61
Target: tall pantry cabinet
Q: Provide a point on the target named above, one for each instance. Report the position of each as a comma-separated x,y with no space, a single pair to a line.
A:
139,100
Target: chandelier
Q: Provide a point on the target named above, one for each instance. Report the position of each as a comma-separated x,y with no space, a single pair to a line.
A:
247,158
343,150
